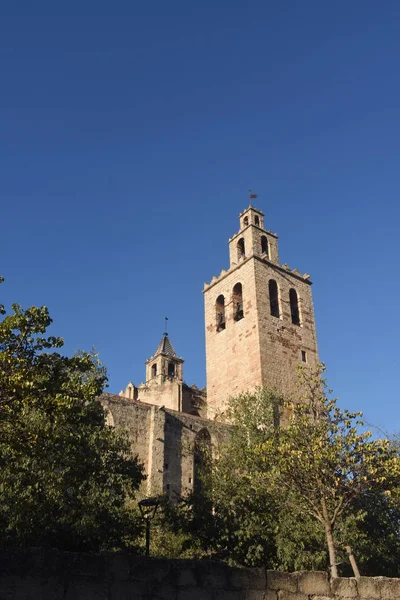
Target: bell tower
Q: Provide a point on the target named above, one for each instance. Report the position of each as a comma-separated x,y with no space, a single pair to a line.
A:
164,365
259,318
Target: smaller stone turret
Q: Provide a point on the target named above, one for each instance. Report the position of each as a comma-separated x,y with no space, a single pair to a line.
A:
164,364
253,239
164,386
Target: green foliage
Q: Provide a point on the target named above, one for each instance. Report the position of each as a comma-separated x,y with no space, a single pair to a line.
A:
228,517
300,542
65,475
172,535
321,463
242,504
271,494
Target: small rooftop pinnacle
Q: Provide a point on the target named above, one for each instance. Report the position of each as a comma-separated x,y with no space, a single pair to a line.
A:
165,347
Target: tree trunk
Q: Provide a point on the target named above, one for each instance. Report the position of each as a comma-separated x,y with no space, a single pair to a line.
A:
329,540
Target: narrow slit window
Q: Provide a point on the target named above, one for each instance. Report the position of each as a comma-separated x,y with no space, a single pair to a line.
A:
154,370
237,300
274,298
264,245
202,450
241,248
257,221
294,307
304,356
220,313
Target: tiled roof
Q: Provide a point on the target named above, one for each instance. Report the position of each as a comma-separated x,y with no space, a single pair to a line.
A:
165,347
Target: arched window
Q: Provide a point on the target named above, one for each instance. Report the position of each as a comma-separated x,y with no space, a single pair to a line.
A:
246,221
264,245
273,298
237,301
201,458
109,418
171,369
220,312
154,370
240,248
294,306
256,220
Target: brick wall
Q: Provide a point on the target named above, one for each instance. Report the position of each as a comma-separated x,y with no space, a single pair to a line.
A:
53,575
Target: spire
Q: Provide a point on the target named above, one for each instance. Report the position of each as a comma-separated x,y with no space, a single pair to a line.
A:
165,347
164,366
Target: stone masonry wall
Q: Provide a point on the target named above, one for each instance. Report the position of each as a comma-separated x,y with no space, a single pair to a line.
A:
163,440
233,357
282,342
52,575
260,349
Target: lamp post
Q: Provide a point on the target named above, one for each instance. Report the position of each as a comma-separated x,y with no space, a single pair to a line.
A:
148,508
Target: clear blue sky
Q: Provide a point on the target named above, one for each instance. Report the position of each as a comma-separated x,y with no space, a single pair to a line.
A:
130,134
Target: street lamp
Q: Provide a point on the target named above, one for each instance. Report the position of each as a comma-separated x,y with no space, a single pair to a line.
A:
148,508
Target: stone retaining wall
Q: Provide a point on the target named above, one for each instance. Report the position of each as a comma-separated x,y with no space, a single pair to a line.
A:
52,575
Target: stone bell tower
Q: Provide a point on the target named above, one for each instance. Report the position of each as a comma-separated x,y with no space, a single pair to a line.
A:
164,365
259,318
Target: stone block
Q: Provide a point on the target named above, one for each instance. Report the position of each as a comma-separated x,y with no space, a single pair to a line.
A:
186,578
29,588
252,579
315,582
369,588
258,595
233,595
344,587
127,590
390,588
282,581
165,591
258,579
6,588
119,567
212,575
239,578
284,595
87,565
82,590
194,594
150,569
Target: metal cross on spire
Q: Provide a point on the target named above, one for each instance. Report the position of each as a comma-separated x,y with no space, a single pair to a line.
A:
165,326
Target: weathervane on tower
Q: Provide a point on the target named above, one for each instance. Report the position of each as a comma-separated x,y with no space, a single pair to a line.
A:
252,196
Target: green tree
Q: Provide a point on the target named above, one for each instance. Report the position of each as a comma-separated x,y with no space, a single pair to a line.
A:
264,487
321,464
252,527
231,516
66,476
236,517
